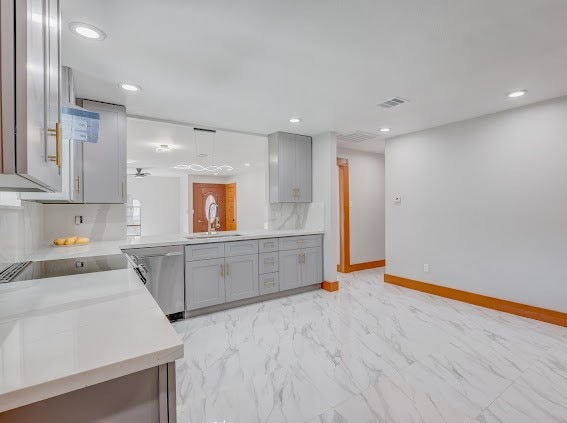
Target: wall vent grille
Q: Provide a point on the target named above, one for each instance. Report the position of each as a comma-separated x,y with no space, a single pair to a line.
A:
356,136
393,102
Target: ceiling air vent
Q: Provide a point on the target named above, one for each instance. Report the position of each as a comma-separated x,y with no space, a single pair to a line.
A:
393,102
356,136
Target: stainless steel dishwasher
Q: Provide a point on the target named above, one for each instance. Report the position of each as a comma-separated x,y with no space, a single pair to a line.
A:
162,269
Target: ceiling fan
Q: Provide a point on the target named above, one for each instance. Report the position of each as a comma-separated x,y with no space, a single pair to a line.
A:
140,174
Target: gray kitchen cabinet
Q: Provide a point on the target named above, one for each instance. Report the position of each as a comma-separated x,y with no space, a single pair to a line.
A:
30,112
104,162
269,283
300,268
226,272
290,269
268,262
311,268
241,277
204,251
204,283
290,168
240,248
72,169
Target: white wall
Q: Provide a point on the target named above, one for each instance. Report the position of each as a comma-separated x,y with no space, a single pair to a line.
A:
367,208
250,199
484,203
160,199
325,190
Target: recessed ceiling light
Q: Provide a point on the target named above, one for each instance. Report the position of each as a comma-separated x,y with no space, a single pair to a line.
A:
130,161
87,31
295,120
519,93
164,148
247,164
130,87
202,155
216,174
385,129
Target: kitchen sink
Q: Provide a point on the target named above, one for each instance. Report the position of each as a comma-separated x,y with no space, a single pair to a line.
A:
206,235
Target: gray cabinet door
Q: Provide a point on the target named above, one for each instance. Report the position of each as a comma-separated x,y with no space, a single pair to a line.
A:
104,162
303,173
286,164
37,91
312,266
241,280
290,168
290,269
204,283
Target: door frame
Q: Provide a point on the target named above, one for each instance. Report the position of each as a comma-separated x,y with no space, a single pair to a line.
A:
345,265
234,205
344,216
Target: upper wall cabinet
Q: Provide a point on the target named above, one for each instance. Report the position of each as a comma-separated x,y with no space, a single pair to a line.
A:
31,144
92,172
72,169
104,162
290,168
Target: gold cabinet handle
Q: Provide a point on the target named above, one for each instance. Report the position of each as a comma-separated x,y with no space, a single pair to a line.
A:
222,269
58,134
79,184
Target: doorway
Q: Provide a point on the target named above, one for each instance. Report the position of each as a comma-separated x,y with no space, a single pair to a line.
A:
344,217
224,195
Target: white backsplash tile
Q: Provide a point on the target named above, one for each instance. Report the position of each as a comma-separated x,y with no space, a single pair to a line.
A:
21,230
296,216
101,222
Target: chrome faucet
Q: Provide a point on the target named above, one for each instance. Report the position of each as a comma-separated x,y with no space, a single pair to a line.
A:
210,228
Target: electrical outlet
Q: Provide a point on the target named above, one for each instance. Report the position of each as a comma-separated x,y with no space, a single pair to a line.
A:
78,220
426,268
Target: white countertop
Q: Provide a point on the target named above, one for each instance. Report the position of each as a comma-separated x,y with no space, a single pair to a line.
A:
102,248
61,334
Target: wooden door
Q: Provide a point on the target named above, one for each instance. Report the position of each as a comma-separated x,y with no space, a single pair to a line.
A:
231,207
200,194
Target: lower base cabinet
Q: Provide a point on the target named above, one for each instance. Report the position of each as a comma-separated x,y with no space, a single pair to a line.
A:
232,271
204,283
241,277
311,269
290,269
300,268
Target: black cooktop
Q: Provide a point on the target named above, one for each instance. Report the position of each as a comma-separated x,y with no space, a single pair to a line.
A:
70,266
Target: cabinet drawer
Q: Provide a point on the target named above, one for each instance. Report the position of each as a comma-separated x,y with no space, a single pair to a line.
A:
295,242
204,251
269,283
269,262
268,245
240,248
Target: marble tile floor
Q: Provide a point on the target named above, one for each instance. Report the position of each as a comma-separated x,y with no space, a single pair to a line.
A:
371,352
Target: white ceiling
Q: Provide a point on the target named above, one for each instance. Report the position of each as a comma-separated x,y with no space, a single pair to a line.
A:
228,148
251,65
